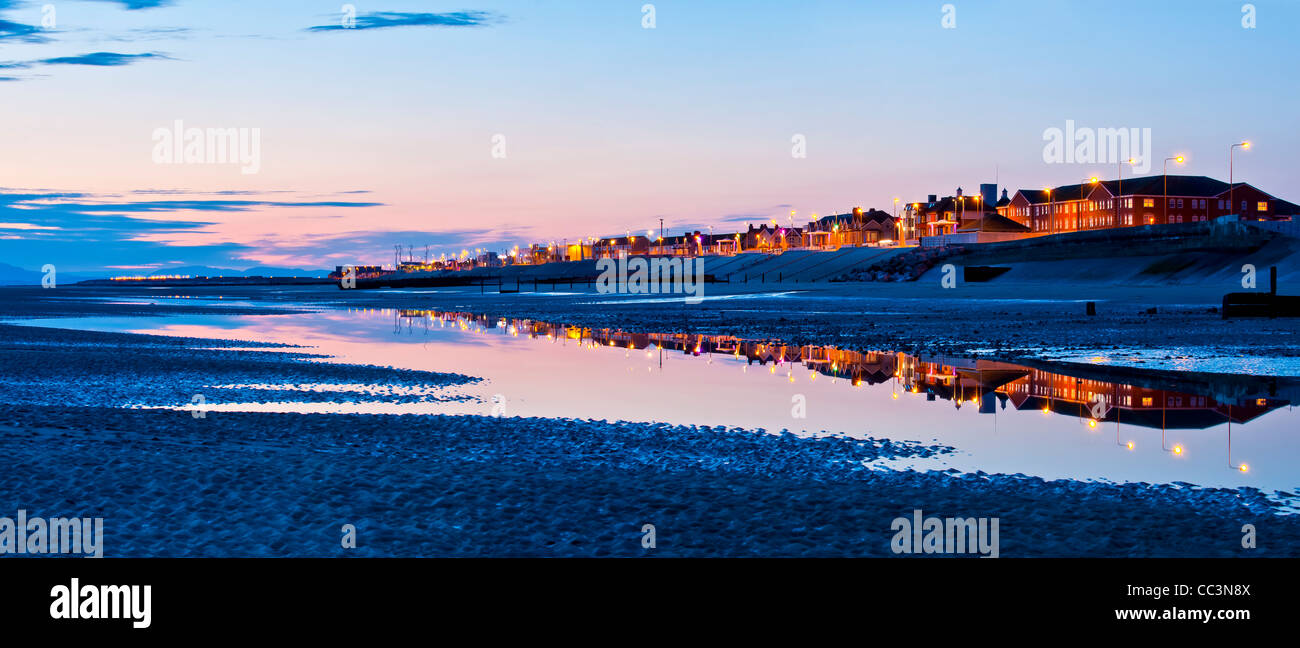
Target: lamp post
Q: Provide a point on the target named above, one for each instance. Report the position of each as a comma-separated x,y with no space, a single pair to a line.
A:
1050,215
897,224
979,207
1245,145
1119,190
1165,172
1078,215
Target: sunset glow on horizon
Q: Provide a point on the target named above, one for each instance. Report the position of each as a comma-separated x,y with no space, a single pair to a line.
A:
511,123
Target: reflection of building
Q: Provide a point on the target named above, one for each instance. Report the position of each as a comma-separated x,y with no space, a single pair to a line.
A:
1144,398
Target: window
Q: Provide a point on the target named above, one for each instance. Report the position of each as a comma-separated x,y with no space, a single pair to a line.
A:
1148,202
1171,202
1146,401
1261,205
1243,206
1180,203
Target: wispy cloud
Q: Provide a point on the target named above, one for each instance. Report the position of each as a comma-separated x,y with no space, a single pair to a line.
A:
103,59
91,231
389,19
12,31
133,5
142,34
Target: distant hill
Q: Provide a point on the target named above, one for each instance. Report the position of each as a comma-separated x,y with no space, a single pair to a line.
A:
258,271
11,275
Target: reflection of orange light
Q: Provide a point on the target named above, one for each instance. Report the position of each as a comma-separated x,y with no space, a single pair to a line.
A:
1092,423
1045,410
895,395
1178,449
1130,445
1244,468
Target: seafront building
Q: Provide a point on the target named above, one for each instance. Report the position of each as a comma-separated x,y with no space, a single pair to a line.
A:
938,221
1148,200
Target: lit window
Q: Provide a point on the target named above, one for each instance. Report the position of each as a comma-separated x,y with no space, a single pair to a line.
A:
1148,202
1146,401
1261,206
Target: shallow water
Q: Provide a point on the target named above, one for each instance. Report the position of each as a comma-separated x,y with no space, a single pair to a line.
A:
1052,421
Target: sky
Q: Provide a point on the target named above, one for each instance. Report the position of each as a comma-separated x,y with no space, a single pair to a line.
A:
461,125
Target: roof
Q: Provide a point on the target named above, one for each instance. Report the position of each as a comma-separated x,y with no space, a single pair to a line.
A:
867,217
993,222
1178,185
1285,207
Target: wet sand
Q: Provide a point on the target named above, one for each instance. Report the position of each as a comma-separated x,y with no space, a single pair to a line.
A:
243,484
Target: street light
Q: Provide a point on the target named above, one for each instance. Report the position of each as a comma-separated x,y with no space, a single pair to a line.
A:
1078,215
1119,189
897,223
1245,145
1050,215
1178,159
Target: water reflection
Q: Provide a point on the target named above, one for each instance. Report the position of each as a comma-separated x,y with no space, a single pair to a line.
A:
1092,395
1147,398
1043,418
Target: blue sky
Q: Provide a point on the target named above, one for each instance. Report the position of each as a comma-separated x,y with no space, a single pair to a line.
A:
607,126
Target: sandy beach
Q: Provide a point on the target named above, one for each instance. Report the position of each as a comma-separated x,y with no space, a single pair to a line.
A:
249,484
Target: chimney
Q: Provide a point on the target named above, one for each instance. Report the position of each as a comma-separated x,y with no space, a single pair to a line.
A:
932,198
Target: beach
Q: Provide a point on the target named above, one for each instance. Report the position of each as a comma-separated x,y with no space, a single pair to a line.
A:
170,483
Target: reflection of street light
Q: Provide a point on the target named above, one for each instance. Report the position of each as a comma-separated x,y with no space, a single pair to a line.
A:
1245,145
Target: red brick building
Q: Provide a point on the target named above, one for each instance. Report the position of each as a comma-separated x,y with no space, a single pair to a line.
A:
1149,200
